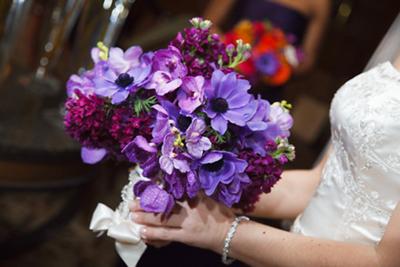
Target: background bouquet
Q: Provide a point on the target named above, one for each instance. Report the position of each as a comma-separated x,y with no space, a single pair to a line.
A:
273,56
184,116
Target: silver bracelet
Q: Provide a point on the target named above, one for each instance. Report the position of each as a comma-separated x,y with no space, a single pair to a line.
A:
227,243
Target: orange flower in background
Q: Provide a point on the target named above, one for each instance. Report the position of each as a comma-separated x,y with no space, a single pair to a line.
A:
268,62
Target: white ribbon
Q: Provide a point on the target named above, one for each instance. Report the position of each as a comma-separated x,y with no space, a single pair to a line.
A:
118,224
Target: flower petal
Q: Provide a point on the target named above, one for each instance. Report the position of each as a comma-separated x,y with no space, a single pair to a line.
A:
220,124
92,155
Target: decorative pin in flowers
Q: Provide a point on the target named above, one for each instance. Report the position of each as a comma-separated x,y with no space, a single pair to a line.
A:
185,118
273,55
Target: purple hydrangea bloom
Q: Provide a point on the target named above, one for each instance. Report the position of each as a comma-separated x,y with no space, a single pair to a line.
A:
168,71
118,85
267,64
191,95
228,100
141,152
196,144
153,198
222,175
171,160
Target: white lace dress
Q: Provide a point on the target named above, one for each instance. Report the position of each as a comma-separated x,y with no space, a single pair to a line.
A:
360,184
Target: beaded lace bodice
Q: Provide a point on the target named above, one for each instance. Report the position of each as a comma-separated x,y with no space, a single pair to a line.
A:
360,183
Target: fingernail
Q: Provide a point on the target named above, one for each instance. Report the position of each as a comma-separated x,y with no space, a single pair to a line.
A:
143,232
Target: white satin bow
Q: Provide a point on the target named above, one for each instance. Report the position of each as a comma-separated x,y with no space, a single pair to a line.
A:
128,243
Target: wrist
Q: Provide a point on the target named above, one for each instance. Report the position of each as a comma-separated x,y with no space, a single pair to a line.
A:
226,251
223,230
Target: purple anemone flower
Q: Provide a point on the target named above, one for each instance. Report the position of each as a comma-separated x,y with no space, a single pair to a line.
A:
168,71
118,85
196,144
222,175
141,152
191,95
170,160
153,198
228,100
267,64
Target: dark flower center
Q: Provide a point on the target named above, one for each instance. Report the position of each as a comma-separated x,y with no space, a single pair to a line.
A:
219,105
183,122
215,166
124,80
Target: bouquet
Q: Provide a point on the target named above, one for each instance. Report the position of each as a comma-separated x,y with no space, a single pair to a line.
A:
273,55
185,118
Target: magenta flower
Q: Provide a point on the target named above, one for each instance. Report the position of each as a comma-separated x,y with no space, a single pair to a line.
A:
228,100
191,95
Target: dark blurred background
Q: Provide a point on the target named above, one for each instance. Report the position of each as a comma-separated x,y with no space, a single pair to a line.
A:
46,194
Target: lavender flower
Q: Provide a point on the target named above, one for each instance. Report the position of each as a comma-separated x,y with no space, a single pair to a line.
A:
141,152
195,143
171,160
282,119
221,174
153,198
92,155
122,62
191,95
228,100
80,83
179,184
168,71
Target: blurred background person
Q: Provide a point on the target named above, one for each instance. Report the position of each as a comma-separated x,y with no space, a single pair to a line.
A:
303,21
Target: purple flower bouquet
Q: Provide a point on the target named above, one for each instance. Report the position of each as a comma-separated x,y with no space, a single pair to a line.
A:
185,117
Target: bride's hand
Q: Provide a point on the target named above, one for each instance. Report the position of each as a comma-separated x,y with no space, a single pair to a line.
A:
203,224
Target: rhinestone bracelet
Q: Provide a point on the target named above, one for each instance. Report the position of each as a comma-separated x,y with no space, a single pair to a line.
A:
227,243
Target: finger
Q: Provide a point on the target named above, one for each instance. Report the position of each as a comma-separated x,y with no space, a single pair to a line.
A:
174,220
135,206
151,233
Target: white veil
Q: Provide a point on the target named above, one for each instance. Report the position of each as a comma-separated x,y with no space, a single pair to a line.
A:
389,47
